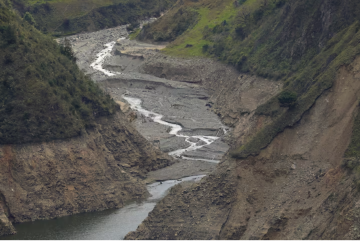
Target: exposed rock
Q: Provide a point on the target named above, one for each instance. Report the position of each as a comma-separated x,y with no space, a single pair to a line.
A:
6,227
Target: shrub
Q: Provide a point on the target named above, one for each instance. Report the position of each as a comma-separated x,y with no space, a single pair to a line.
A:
29,18
8,58
205,48
10,34
66,50
240,32
287,98
133,26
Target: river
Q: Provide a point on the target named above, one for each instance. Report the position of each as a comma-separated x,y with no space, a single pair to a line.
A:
193,139
109,224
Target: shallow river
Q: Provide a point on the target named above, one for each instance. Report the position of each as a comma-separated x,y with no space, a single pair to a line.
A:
135,104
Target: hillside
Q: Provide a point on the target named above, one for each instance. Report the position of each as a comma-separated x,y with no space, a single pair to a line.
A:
44,95
62,17
293,170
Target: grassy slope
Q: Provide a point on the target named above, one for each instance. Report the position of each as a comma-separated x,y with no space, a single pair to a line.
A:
289,40
71,16
43,94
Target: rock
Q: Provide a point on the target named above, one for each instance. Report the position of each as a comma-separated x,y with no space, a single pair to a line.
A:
125,165
6,227
193,140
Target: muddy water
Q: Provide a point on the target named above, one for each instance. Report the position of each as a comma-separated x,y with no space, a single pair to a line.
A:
108,225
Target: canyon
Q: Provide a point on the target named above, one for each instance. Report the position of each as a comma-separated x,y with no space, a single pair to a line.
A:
201,148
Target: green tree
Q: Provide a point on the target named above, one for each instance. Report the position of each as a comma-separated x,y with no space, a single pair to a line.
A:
287,98
66,50
29,18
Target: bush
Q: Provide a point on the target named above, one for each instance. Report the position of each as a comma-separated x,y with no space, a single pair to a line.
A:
240,32
258,14
66,50
133,26
10,34
29,18
9,59
287,98
205,48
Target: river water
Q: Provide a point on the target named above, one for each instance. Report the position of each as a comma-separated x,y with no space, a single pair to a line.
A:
109,224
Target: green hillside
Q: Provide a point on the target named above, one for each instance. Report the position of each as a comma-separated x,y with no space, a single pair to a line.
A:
63,17
302,43
43,94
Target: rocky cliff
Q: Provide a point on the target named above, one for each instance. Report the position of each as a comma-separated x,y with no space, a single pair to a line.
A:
98,170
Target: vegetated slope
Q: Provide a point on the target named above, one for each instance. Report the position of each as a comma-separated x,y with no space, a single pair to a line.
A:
69,17
44,95
183,19
286,176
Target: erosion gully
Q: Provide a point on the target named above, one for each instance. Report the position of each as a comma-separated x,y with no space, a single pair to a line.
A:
189,133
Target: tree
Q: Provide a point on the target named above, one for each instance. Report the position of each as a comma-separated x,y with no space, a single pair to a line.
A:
287,98
240,32
244,14
66,50
10,34
205,48
29,18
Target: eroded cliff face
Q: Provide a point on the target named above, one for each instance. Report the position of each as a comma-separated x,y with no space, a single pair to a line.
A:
296,188
99,170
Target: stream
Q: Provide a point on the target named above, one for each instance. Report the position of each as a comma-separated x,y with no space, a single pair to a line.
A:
175,129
